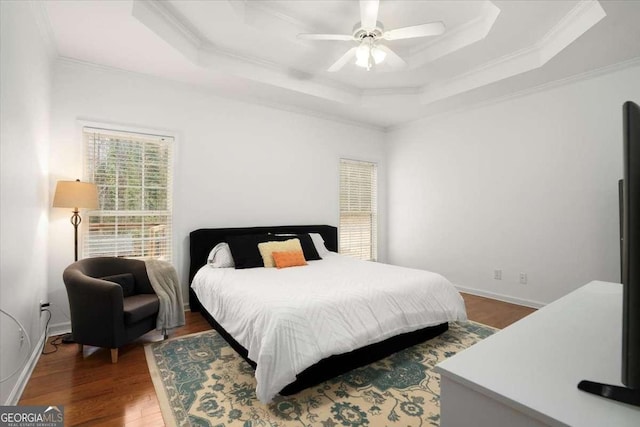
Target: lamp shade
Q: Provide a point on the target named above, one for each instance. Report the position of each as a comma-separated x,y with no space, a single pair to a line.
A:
76,194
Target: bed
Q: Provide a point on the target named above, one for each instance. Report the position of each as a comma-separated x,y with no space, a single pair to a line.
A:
300,326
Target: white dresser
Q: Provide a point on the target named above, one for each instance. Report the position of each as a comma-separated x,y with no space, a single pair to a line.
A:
527,374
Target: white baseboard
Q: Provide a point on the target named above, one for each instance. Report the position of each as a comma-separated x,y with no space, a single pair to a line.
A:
56,329
60,329
500,297
19,386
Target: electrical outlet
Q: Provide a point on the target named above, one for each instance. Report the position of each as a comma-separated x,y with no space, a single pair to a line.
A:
43,306
497,274
523,278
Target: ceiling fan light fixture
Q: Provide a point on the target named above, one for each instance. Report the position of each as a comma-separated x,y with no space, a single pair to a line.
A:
362,54
378,55
364,63
368,54
368,32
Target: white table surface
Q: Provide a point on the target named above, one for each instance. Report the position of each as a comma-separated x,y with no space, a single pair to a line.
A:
535,365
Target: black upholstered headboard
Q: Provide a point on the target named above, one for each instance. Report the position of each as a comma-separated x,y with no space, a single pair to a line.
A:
201,241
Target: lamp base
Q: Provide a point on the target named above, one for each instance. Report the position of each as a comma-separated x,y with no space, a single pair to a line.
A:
68,339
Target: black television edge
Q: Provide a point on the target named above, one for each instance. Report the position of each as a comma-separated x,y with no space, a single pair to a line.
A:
629,191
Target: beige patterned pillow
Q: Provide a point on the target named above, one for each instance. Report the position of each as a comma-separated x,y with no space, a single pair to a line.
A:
267,248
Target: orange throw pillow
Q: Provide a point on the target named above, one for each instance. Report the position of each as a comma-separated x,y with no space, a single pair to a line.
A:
288,259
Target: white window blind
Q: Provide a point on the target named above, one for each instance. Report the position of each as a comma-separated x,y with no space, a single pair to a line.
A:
133,173
358,209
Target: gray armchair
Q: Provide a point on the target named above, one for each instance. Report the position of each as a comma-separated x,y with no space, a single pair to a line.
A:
111,302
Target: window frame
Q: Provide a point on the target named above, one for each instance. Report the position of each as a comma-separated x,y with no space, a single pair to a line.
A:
120,128
374,231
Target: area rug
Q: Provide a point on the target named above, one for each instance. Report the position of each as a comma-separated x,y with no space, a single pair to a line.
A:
201,381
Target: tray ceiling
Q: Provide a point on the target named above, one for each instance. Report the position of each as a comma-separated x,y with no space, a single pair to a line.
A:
249,49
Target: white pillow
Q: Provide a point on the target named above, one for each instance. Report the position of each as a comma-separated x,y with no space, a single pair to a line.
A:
318,242
220,256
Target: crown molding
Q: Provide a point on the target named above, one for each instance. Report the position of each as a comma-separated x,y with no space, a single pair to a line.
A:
174,29
41,16
219,94
301,75
276,76
580,19
250,8
155,16
587,75
172,17
168,27
456,38
408,90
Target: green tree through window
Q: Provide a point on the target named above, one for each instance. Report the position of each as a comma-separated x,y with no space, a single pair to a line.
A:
133,174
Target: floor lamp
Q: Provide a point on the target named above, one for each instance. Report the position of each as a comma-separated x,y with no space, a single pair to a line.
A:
76,195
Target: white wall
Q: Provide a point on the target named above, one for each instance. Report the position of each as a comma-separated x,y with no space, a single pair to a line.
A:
237,164
526,185
25,84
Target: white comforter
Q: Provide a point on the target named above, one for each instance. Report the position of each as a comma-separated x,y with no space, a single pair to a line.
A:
289,319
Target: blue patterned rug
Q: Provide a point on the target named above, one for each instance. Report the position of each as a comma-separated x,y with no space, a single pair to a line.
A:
201,381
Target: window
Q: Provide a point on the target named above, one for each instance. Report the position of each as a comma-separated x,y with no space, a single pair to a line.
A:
133,174
358,209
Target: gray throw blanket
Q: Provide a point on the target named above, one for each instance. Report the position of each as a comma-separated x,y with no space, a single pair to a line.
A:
165,283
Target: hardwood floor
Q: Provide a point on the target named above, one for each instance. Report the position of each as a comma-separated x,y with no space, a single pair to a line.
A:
493,312
96,392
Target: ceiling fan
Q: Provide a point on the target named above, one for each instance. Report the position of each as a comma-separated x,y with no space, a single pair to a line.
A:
369,33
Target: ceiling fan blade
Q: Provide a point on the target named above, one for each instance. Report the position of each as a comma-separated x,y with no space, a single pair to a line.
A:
343,60
423,30
392,58
369,13
345,37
